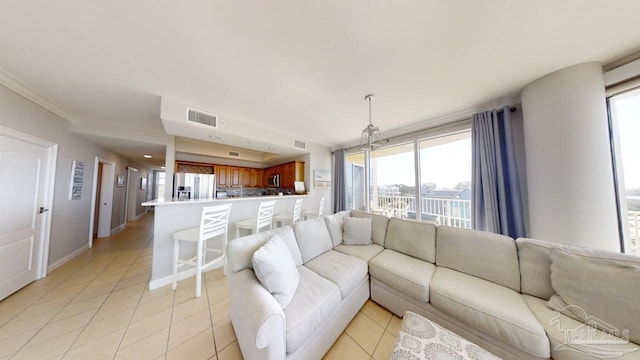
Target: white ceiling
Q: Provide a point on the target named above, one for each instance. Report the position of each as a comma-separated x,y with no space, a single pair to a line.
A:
301,67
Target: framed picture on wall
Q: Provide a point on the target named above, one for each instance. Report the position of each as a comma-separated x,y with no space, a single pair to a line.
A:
143,183
120,180
77,178
321,179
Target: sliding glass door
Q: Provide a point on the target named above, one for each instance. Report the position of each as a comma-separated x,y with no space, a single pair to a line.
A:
625,121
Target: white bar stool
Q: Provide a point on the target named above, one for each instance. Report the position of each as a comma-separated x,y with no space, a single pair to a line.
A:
289,218
213,222
309,214
264,219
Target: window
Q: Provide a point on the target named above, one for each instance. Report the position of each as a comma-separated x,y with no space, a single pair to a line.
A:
159,186
355,181
392,186
625,117
445,177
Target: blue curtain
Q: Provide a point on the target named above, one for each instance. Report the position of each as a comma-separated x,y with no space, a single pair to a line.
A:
497,202
339,185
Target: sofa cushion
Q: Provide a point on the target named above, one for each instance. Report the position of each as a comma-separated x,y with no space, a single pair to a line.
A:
378,225
535,263
412,237
364,252
315,300
274,268
240,251
482,254
570,339
598,292
346,271
490,308
334,224
313,238
289,238
357,231
403,273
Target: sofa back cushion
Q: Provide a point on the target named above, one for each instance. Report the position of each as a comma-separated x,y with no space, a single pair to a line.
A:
535,263
313,238
601,293
335,223
379,225
357,231
486,255
413,238
240,251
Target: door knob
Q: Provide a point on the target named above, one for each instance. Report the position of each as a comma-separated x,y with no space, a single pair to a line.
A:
42,209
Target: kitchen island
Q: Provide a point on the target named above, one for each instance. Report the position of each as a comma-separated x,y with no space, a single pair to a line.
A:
176,215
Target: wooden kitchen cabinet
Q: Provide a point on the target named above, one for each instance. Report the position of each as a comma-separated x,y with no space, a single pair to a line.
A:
291,172
222,176
235,176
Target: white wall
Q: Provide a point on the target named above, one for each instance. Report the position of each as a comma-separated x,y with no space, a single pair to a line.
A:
569,171
70,218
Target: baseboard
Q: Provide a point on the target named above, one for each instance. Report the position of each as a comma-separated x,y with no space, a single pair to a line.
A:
139,216
167,280
62,261
119,228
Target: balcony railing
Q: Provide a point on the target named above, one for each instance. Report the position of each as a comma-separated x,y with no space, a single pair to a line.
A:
456,212
452,212
634,232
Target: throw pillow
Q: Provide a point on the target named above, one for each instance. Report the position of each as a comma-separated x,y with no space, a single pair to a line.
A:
276,271
357,231
601,293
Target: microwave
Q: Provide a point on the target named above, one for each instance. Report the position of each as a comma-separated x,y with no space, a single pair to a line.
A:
273,181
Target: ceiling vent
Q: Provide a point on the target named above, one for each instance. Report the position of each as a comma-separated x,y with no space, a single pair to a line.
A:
300,144
234,153
202,118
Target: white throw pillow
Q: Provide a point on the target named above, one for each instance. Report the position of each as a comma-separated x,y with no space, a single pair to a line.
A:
357,231
276,271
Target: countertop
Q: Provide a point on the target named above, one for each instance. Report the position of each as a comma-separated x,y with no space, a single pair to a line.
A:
163,202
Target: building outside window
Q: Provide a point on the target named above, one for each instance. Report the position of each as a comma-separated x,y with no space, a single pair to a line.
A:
443,172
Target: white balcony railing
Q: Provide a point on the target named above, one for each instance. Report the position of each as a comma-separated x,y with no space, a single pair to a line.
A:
634,232
452,212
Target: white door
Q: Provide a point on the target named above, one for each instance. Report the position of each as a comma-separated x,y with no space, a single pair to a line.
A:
23,183
106,199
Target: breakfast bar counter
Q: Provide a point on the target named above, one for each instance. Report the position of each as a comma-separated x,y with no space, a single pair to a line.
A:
176,215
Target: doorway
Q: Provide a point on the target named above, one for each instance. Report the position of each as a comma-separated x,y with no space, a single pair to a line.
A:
131,195
27,172
102,199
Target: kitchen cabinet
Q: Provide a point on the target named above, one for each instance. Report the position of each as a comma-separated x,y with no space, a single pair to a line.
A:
289,173
235,176
222,176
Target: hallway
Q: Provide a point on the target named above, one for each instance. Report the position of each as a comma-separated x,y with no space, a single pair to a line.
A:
98,306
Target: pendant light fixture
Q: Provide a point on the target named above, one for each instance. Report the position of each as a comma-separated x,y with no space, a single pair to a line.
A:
370,138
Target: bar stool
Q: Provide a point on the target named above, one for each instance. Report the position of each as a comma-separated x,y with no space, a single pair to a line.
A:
213,223
264,219
286,218
309,214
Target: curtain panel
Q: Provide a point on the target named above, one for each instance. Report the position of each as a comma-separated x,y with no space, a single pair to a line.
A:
339,182
497,201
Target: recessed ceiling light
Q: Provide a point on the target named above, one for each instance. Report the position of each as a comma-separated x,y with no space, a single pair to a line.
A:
213,137
162,167
147,156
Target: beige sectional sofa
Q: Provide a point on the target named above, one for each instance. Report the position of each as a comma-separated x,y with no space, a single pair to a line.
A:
487,288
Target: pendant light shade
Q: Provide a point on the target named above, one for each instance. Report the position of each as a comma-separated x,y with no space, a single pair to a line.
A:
370,138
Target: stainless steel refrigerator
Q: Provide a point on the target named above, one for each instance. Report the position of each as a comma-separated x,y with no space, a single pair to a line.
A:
194,186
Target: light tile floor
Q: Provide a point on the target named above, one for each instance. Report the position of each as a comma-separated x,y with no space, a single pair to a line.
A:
98,306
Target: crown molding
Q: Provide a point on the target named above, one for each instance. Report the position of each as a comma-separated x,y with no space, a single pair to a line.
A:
14,84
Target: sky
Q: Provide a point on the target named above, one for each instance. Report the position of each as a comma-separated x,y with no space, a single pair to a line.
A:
627,118
445,165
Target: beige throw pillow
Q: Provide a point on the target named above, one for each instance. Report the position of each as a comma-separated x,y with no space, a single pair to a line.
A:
357,231
276,271
601,293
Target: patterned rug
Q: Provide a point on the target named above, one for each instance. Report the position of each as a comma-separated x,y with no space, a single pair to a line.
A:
420,338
